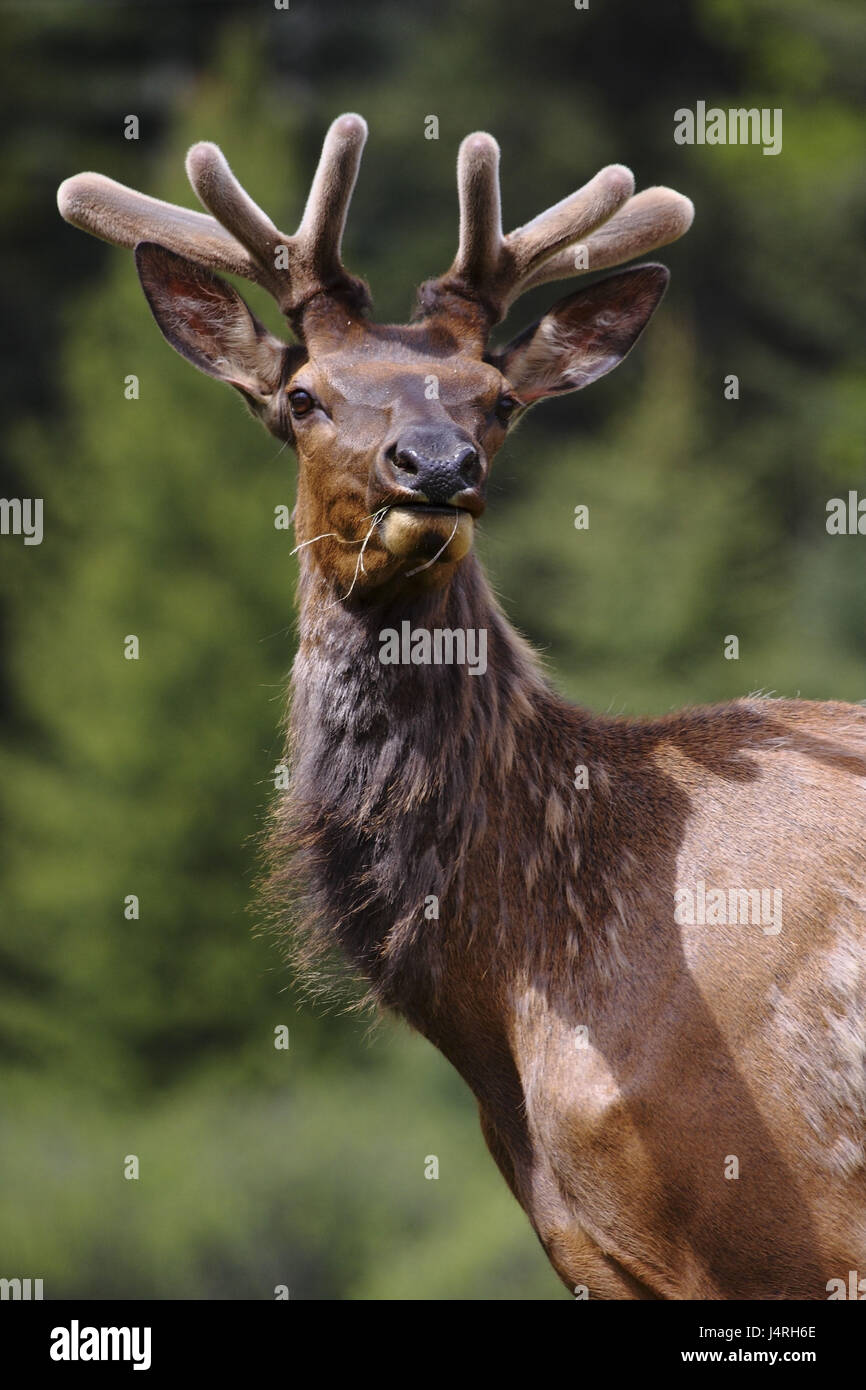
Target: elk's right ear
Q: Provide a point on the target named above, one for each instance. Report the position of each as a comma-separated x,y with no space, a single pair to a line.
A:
207,322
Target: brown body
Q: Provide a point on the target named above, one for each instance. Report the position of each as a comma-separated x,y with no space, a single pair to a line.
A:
620,1060
642,944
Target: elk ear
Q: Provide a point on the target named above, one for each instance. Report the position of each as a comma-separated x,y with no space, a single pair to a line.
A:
585,335
207,322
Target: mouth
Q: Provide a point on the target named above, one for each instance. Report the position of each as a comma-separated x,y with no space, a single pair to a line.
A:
420,531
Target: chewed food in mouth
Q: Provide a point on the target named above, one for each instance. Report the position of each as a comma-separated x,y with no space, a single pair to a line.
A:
427,533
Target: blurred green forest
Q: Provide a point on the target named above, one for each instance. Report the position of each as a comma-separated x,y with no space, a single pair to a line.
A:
155,1037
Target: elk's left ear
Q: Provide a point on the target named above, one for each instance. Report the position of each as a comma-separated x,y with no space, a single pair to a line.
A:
585,335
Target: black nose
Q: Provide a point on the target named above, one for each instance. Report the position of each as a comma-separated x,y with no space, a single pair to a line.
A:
435,462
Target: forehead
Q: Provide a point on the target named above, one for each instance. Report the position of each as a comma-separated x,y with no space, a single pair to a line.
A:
380,362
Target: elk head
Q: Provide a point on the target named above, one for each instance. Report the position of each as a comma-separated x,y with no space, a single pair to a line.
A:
395,427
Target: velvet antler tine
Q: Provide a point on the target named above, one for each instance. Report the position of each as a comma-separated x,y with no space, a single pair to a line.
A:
569,220
120,215
213,181
647,221
319,237
480,244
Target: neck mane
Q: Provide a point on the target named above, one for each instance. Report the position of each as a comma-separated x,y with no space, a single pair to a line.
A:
418,792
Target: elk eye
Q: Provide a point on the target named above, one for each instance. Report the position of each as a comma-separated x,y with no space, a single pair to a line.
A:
300,403
505,408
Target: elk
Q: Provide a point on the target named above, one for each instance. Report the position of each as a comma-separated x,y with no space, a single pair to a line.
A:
652,976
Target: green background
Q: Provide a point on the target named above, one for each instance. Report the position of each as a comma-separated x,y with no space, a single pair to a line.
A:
155,1037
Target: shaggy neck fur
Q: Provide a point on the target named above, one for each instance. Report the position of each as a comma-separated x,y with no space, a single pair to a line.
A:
412,783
